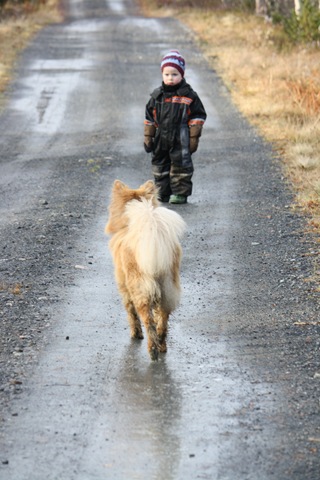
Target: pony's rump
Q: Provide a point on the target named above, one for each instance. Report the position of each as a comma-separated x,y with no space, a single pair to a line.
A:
153,235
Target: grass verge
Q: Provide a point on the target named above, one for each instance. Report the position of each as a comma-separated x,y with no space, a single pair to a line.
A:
18,24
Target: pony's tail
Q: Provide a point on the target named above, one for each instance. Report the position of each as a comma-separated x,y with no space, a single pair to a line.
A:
153,235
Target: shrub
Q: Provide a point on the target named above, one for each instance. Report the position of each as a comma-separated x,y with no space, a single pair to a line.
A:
306,26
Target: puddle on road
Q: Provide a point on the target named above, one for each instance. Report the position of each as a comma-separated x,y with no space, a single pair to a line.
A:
116,6
176,418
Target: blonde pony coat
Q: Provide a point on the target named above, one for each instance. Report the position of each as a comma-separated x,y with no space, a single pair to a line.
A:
145,245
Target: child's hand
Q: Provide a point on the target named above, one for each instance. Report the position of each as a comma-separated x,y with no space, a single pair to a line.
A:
195,134
148,146
149,133
193,144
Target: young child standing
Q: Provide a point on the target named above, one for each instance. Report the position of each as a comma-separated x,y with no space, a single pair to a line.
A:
172,128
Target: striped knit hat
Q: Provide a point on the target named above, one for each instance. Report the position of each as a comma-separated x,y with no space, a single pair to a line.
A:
174,59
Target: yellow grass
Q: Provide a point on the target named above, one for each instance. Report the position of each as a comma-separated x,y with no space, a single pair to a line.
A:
18,25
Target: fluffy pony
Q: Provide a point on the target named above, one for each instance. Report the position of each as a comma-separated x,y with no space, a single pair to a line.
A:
145,245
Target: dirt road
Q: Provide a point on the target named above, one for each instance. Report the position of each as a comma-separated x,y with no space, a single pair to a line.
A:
237,394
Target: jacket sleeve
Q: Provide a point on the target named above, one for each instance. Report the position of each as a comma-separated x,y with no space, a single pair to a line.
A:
150,113
198,114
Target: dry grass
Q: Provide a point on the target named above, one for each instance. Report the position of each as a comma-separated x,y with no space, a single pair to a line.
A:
18,24
275,85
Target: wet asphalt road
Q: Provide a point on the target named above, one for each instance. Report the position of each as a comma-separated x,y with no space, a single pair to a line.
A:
236,396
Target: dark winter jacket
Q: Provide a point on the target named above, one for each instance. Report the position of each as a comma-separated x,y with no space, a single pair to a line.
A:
173,110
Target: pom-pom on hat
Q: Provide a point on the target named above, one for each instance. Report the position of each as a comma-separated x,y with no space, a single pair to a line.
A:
174,59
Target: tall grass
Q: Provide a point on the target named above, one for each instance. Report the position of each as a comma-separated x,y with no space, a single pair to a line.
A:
18,23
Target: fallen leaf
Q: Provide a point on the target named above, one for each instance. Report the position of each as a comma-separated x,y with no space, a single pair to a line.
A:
302,324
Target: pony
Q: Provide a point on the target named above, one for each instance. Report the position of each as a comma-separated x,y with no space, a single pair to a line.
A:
146,251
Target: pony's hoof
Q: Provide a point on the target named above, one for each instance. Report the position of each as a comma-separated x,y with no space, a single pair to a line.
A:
163,348
137,334
154,354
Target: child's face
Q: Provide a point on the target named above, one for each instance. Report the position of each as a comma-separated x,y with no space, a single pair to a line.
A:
171,76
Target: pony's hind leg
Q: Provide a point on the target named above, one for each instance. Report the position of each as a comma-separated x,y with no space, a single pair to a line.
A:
145,314
134,322
161,320
133,318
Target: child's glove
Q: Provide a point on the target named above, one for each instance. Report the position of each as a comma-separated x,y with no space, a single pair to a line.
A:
149,133
195,134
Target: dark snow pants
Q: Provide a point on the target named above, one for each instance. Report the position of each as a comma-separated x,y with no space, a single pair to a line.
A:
172,167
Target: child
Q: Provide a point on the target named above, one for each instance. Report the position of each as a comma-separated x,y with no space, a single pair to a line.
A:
172,128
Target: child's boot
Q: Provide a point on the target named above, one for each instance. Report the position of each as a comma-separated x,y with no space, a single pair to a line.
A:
178,199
